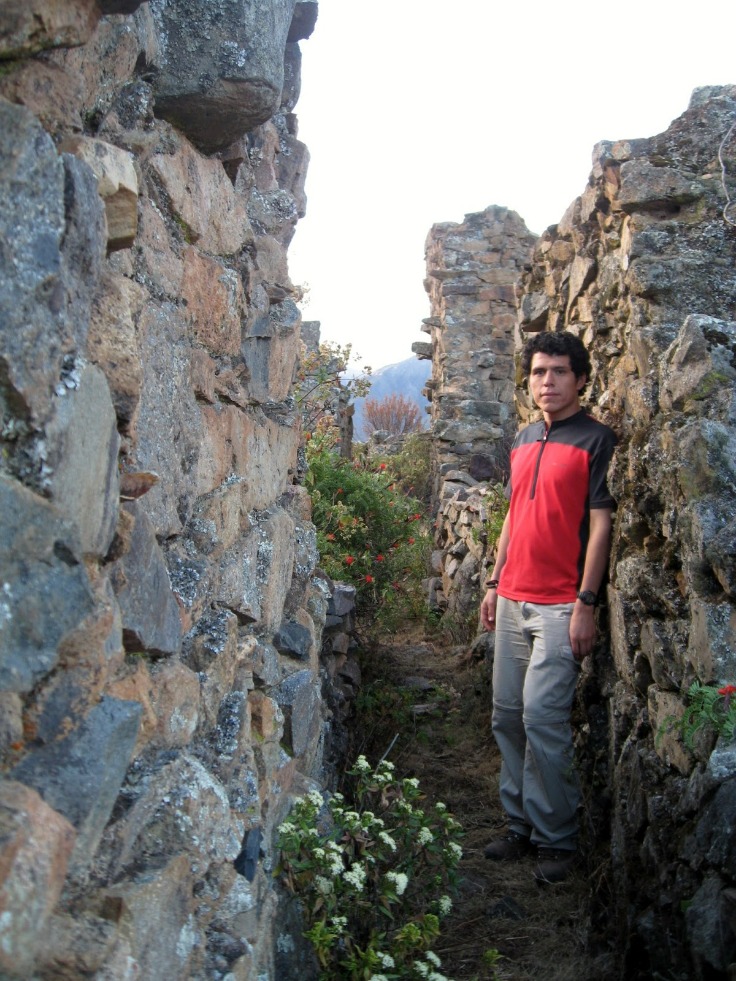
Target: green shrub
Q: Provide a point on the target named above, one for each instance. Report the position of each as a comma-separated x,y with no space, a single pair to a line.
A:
411,467
369,533
373,879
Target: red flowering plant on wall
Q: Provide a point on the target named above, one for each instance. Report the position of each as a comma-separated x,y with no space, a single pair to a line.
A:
709,707
363,521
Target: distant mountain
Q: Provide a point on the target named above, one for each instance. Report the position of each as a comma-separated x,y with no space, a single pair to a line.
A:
406,378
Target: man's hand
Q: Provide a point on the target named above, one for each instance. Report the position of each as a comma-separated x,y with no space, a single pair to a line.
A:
582,630
488,610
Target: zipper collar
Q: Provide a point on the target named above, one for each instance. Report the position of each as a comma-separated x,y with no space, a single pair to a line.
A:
569,420
545,434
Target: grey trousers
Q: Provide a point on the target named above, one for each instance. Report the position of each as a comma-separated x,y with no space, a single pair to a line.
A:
534,678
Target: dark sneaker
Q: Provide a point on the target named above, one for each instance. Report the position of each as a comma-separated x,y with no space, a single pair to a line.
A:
555,864
509,848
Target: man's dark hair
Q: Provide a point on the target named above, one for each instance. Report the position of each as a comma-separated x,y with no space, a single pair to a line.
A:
557,343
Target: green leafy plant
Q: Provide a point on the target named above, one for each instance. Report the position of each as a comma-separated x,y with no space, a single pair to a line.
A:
496,505
410,468
709,707
373,880
385,706
369,533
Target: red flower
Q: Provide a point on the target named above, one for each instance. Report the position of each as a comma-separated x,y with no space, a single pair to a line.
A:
339,490
349,560
727,691
330,537
410,540
382,467
379,558
369,578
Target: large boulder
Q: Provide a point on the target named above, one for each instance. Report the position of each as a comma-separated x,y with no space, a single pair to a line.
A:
221,67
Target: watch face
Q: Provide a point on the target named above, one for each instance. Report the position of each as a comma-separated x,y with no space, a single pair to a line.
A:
587,597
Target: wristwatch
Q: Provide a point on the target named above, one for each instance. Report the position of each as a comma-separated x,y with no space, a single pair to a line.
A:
588,597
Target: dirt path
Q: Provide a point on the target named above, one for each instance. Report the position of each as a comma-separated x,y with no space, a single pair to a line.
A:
435,703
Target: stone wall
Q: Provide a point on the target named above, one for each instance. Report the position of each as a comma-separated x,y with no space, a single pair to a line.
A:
472,270
160,613
641,267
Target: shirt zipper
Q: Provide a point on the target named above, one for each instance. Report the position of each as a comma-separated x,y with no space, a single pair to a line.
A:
543,441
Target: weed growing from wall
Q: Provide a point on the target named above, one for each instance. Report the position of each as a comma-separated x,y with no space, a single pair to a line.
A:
709,708
496,506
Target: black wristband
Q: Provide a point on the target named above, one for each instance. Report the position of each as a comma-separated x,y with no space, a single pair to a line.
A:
491,584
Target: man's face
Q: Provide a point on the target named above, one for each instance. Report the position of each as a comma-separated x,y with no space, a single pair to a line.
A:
554,387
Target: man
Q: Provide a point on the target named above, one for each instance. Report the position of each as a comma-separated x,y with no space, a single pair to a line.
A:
552,555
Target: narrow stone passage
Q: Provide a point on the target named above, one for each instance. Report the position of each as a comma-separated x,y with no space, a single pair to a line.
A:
430,715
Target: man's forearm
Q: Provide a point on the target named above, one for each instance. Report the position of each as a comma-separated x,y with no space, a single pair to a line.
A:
598,550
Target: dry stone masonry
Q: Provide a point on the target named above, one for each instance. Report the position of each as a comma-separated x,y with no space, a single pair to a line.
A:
164,689
472,271
161,615
641,267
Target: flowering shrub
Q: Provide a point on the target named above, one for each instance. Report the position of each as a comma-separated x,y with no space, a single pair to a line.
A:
709,706
369,533
373,881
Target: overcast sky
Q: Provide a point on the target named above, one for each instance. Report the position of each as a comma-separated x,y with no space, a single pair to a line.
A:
422,111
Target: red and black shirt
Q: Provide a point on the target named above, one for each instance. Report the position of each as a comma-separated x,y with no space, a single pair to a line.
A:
557,476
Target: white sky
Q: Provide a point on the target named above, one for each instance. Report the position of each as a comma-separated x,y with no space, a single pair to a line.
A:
422,111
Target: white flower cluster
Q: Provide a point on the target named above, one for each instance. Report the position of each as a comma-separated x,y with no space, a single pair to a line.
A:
362,764
355,876
335,858
425,836
384,773
445,905
323,885
386,838
314,797
427,970
287,828
456,850
400,881
386,960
